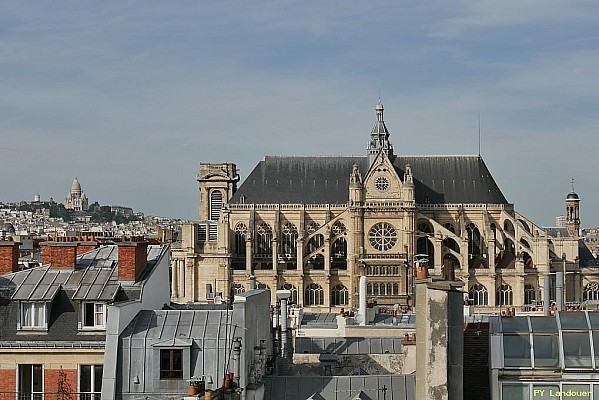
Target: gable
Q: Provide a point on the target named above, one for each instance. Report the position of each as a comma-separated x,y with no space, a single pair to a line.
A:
382,181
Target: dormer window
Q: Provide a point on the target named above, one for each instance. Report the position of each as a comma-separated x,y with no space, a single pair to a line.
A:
33,315
94,315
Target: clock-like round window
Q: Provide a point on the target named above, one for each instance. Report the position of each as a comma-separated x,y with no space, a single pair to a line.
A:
382,236
381,183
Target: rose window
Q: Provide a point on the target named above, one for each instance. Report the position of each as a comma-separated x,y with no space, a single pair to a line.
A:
382,236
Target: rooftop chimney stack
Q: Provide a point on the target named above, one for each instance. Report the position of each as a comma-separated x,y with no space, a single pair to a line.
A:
61,254
132,260
9,257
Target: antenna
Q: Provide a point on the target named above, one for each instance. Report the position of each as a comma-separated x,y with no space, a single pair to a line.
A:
479,133
572,182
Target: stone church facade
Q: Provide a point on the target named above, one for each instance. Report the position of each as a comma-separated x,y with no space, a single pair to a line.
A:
314,225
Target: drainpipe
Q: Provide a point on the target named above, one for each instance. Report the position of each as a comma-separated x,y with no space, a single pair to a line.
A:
546,294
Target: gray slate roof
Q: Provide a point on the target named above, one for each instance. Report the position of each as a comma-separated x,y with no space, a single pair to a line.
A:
325,179
399,387
348,346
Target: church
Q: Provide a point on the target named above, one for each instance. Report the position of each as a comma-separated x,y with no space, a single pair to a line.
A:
76,198
314,225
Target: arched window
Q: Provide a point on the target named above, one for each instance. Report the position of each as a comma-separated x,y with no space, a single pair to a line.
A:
451,244
312,227
339,248
238,288
293,290
524,243
216,203
591,291
289,239
241,231
369,289
339,295
316,262
395,289
313,295
425,246
505,295
338,228
474,240
449,226
264,240
314,243
375,289
529,294
425,227
479,295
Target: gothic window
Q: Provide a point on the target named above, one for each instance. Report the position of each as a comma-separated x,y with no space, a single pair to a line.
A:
293,290
338,228
591,291
382,236
241,231
315,242
313,295
505,295
289,239
474,240
449,226
425,227
262,286
238,288
312,227
339,295
451,244
216,203
263,240
529,294
494,230
316,262
339,249
524,243
479,295
424,246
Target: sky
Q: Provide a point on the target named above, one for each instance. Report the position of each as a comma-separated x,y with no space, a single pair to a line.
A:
130,96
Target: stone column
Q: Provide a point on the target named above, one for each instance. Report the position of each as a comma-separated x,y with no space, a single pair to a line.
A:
327,256
175,279
190,281
248,256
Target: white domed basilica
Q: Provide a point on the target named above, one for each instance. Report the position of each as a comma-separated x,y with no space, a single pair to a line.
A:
76,198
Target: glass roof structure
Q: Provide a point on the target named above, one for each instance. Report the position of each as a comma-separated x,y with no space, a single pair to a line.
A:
568,342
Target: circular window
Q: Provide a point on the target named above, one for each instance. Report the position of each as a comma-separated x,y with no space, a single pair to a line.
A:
381,183
382,236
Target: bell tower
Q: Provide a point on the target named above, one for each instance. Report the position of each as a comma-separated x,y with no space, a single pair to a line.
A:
379,137
573,212
217,184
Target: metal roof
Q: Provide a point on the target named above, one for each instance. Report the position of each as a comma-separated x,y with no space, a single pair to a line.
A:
390,387
319,320
94,278
348,346
325,179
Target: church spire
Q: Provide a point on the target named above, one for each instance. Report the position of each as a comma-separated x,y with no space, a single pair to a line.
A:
379,136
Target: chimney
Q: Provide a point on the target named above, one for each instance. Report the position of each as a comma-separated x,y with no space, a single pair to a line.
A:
59,254
86,245
9,257
132,260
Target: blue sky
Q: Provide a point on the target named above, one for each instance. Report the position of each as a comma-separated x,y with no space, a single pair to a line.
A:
131,95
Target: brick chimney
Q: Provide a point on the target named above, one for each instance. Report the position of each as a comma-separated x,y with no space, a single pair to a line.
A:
132,260
9,256
86,245
59,254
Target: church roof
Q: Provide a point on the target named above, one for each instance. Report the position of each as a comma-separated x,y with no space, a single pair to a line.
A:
325,179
